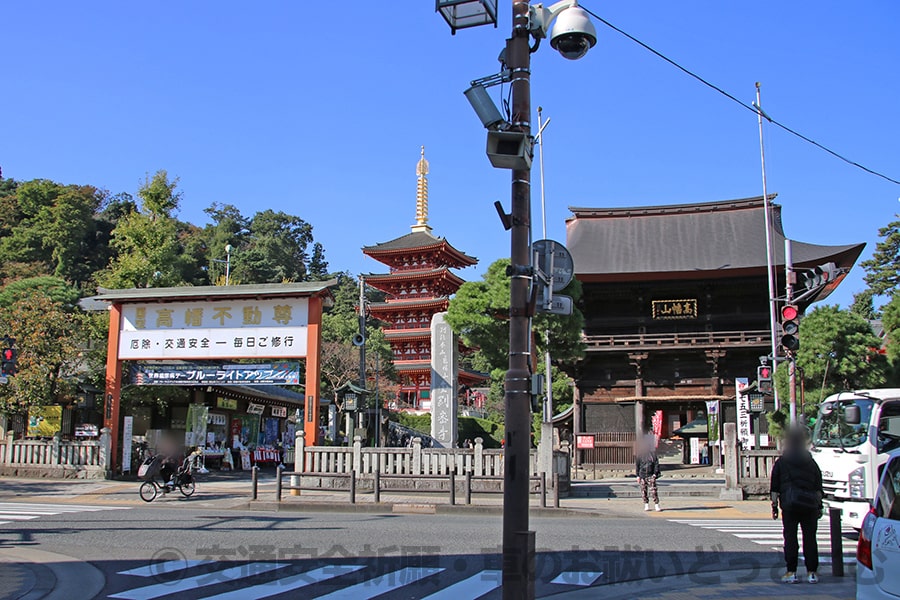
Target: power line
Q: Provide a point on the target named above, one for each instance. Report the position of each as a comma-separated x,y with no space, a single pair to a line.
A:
734,99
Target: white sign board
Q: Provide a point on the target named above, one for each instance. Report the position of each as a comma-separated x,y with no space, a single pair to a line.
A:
273,328
744,434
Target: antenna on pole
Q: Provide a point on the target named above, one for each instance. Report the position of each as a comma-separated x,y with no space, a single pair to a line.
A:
547,415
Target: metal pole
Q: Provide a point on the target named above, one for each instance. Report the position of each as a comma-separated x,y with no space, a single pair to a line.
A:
362,346
548,391
518,542
770,258
837,542
377,404
792,358
228,264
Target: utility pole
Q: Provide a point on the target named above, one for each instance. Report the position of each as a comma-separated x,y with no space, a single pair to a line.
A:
518,541
790,278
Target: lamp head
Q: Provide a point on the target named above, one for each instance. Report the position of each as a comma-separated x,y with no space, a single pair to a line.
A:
573,33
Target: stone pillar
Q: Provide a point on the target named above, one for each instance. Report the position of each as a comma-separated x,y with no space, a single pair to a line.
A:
545,451
479,457
357,454
299,459
444,381
732,489
417,456
106,450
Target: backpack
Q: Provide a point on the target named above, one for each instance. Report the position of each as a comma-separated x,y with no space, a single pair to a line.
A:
795,498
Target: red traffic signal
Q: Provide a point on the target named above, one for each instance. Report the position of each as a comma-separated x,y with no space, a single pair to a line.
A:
8,361
789,312
790,327
764,373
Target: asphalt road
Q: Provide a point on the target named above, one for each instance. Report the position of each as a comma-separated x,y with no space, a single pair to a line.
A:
188,551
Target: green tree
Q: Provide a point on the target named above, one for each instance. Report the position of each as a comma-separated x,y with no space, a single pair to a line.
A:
838,347
48,337
46,227
479,314
864,305
228,227
275,250
54,288
883,269
479,310
149,246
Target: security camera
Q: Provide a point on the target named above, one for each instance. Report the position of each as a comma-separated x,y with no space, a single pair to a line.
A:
573,33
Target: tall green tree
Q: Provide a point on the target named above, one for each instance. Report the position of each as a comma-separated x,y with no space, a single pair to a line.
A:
883,269
149,246
275,249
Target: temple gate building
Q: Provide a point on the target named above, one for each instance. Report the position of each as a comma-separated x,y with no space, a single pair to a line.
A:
418,286
676,308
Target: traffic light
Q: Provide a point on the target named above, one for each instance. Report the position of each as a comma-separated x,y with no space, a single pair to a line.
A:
790,328
8,362
763,374
811,279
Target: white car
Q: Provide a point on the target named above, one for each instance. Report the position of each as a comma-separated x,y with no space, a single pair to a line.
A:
878,551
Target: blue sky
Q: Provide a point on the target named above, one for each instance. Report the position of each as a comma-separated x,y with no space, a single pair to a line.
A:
319,109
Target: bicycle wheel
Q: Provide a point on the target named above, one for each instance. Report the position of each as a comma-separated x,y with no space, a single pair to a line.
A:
148,491
188,487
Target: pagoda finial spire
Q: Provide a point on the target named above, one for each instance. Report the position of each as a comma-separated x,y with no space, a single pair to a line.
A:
422,196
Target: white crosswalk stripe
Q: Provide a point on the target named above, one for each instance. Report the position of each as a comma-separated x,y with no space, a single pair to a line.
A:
769,534
25,511
203,580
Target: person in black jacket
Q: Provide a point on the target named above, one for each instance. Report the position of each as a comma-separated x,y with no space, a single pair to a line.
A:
797,486
646,467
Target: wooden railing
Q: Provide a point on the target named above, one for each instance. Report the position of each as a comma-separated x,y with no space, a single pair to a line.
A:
757,464
699,339
53,453
412,461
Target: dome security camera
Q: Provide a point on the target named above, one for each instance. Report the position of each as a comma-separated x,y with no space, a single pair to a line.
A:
573,33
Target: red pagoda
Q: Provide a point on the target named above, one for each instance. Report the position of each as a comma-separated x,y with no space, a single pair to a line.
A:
419,285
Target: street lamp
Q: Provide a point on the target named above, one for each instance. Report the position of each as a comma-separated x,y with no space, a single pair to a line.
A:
228,249
572,35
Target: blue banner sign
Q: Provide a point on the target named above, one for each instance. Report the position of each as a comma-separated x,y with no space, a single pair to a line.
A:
282,373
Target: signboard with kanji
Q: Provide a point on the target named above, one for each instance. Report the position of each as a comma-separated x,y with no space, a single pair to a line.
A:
283,373
268,328
675,309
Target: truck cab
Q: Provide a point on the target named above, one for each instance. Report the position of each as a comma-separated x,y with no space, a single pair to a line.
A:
853,434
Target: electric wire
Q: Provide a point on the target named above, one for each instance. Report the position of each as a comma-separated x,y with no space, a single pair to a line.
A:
731,97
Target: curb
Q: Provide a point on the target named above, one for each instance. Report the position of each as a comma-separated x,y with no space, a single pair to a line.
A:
415,508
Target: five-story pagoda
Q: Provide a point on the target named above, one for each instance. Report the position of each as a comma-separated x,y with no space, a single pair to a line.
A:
418,286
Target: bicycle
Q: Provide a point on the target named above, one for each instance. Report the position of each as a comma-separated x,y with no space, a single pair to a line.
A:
183,479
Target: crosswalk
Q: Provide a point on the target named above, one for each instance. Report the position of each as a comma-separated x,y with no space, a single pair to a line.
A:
769,534
209,580
12,512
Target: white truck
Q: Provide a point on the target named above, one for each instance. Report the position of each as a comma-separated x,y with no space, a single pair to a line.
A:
853,434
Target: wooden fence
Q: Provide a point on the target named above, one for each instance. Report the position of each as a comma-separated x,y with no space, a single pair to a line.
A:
55,456
414,460
610,449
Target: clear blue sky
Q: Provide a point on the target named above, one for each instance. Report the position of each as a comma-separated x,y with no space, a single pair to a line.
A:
321,113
